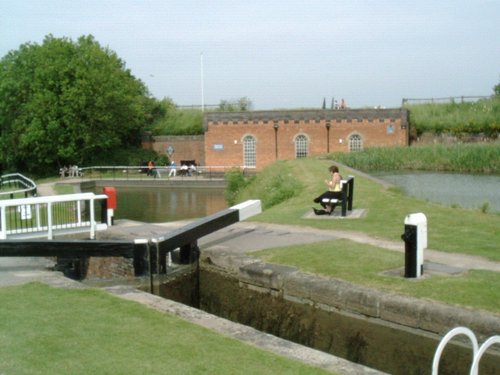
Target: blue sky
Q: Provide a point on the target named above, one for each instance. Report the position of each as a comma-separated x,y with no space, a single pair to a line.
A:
281,54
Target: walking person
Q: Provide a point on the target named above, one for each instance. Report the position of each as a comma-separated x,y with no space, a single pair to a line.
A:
173,169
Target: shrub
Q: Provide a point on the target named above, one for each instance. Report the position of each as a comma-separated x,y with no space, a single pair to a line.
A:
236,182
273,185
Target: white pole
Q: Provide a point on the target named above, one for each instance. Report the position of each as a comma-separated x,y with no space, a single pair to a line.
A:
202,93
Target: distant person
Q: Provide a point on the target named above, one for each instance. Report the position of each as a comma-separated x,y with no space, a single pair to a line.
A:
334,192
63,171
184,170
151,166
192,169
173,169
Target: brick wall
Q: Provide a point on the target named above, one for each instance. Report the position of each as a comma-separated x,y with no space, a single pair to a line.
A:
186,147
275,133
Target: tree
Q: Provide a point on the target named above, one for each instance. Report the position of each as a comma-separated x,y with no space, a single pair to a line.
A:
66,102
496,89
242,104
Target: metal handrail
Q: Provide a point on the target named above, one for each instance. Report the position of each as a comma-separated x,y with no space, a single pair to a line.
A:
477,351
46,216
140,172
28,185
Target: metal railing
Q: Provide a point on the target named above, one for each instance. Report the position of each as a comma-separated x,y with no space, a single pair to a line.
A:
47,216
159,172
151,256
477,351
16,184
444,100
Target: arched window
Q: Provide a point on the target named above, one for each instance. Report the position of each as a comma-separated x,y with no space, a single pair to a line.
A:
249,151
355,143
301,146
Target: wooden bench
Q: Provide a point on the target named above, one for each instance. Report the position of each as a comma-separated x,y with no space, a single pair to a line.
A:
347,196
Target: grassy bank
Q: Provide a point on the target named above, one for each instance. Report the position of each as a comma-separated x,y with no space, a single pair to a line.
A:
482,116
373,267
45,330
449,229
453,230
464,158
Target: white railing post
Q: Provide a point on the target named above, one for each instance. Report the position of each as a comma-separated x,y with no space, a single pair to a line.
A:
3,223
92,220
475,363
37,217
79,212
49,221
454,332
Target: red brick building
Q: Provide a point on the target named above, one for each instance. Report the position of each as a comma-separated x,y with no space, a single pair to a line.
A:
258,138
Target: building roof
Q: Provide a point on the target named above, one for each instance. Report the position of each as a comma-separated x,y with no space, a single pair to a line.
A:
310,115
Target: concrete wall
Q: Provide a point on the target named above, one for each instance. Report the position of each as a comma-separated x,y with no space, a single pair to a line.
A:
386,331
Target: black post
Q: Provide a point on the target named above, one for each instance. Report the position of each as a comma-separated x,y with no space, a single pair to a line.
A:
410,239
104,211
328,125
351,193
344,198
189,253
141,257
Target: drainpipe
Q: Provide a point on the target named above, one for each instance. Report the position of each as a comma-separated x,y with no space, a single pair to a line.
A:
276,127
328,125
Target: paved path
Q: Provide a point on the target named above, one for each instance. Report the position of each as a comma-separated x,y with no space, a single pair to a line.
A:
240,238
246,236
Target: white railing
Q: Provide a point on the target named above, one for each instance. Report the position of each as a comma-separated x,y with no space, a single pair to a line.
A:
15,183
47,216
477,351
160,172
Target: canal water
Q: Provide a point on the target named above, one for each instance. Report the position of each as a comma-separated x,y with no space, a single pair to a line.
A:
164,204
464,190
168,203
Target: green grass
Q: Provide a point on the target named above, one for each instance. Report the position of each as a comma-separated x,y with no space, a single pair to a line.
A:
482,116
454,230
46,330
449,229
364,265
460,158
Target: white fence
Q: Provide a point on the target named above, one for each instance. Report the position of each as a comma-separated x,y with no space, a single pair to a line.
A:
48,216
15,184
159,172
477,351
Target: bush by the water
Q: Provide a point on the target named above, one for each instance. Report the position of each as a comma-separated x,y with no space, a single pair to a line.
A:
464,158
273,185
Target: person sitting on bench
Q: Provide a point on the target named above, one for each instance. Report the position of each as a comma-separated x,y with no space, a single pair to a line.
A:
334,192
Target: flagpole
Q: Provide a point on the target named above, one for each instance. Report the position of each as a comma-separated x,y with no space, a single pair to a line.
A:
202,88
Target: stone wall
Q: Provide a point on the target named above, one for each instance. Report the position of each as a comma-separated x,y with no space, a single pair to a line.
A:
109,268
386,331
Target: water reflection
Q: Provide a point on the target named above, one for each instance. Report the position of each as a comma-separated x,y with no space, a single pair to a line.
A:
163,204
469,191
